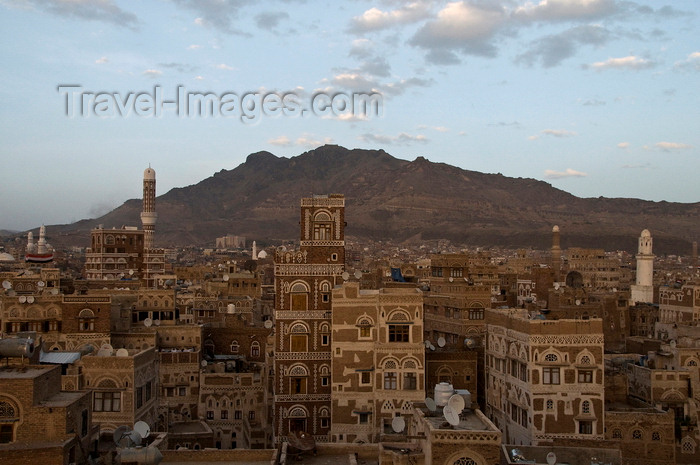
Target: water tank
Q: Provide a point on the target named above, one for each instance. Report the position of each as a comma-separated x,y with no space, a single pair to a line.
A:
142,455
443,392
16,347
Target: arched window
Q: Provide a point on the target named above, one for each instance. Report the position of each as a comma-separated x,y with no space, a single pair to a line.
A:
325,330
9,415
551,358
586,407
299,297
235,347
365,328
298,337
656,436
255,349
617,433
637,434
322,227
465,461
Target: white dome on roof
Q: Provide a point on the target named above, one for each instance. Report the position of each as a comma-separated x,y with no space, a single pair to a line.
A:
149,173
6,257
262,254
646,233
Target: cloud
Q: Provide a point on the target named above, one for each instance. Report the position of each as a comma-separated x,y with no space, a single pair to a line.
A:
199,78
400,139
102,60
629,62
551,50
361,48
623,145
593,103
566,10
270,20
558,133
362,82
461,26
218,14
568,173
194,47
105,11
152,73
305,140
281,141
180,67
672,146
691,63
375,19
632,167
225,67
505,124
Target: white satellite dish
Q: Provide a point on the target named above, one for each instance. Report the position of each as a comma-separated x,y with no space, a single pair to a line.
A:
107,347
30,299
6,284
430,403
672,343
556,286
122,353
358,274
345,275
451,415
131,272
578,302
226,277
156,322
451,279
203,363
135,438
441,341
54,291
142,428
426,343
41,284
551,458
456,401
268,324
147,322
22,299
398,424
432,347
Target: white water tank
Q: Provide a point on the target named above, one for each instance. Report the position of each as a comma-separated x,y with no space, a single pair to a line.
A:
443,392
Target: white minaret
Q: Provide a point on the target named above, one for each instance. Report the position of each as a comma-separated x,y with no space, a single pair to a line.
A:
643,290
148,213
255,251
556,253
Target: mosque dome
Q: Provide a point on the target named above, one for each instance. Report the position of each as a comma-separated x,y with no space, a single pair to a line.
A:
646,233
6,257
262,254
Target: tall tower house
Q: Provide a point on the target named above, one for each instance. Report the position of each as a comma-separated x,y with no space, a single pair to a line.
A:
148,213
556,253
304,279
643,289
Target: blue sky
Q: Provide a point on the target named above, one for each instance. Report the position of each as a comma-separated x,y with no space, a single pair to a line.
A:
596,97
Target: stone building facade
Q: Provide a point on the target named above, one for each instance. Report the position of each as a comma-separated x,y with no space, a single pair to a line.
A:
304,279
378,360
544,378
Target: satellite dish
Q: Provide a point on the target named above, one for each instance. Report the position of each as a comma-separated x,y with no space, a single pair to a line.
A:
30,299
469,343
268,324
456,401
107,347
41,284
345,275
398,424
430,403
226,277
432,347
22,299
203,363
156,322
578,302
135,438
551,458
121,435
142,428
6,284
451,415
556,286
147,322
131,272
122,353
54,291
441,341
358,274
426,343
672,343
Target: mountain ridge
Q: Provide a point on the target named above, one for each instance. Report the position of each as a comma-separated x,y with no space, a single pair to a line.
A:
392,199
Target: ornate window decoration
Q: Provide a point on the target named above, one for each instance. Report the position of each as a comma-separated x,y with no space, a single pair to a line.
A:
551,358
585,360
656,436
637,434
617,433
465,461
297,412
234,347
688,445
298,370
586,407
550,404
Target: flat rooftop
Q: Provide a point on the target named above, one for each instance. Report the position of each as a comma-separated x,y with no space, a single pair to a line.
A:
23,372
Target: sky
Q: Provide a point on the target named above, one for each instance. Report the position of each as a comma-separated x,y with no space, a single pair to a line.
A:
596,97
